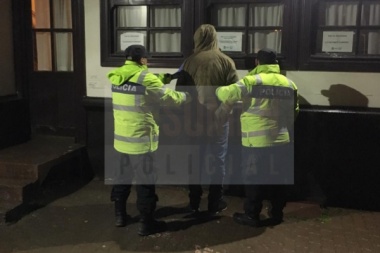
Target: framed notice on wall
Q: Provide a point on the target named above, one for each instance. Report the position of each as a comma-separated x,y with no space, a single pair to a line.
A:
338,41
230,41
128,38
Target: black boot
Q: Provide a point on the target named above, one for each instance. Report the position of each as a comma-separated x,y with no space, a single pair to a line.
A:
149,226
195,194
216,207
120,213
245,219
275,214
275,217
216,203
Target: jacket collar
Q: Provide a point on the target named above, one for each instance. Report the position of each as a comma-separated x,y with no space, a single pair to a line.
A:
270,68
142,67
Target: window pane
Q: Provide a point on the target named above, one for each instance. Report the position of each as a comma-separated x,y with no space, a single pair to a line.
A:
132,16
265,39
62,13
40,13
43,52
369,43
371,14
165,16
64,51
230,15
165,41
341,14
266,15
125,39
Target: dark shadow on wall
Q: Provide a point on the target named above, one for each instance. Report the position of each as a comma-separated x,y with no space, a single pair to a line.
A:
343,95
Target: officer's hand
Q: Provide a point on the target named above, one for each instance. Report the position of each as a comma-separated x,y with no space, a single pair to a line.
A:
221,94
167,78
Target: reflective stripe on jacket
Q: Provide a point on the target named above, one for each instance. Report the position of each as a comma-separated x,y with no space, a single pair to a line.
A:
136,97
270,105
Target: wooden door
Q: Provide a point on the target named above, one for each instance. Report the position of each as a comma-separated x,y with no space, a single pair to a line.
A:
56,66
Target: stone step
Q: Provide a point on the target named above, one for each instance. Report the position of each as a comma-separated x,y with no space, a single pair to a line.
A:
13,192
13,170
24,167
33,159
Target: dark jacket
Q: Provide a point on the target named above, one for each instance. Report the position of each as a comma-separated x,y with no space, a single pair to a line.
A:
202,72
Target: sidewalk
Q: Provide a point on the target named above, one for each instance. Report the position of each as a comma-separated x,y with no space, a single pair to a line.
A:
83,222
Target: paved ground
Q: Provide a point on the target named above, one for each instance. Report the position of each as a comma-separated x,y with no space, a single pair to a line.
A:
80,219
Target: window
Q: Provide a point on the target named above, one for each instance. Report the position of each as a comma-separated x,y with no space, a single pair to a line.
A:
161,26
166,28
162,35
52,35
263,29
245,27
330,35
342,35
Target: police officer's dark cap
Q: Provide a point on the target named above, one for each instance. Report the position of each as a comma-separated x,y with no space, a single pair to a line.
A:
135,52
267,56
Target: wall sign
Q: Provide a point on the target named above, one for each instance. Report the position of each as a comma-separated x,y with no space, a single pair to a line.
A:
128,38
230,41
338,41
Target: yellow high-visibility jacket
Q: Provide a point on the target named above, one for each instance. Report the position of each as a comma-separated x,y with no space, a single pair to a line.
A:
270,105
136,97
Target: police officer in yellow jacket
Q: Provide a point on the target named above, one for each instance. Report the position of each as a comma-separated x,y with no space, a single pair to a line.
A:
270,105
136,96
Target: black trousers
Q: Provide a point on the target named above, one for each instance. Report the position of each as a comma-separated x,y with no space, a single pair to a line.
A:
140,167
265,172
